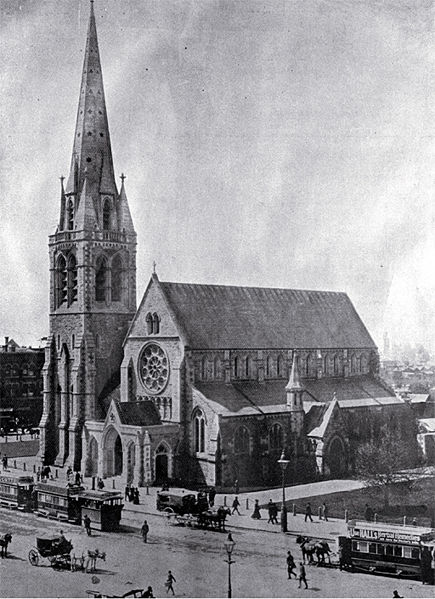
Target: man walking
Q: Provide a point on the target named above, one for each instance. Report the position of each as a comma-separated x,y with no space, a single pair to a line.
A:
235,506
302,575
291,566
169,582
325,512
87,523
308,512
145,530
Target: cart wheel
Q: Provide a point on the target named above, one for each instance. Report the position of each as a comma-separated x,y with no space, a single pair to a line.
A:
33,557
168,512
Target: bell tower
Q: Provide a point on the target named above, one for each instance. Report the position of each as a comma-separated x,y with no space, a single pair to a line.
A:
92,277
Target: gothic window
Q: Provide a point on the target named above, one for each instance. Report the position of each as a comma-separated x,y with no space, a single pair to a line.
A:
70,215
131,383
25,369
106,215
363,364
218,368
236,367
203,368
72,279
199,432
101,279
336,365
156,323
353,363
326,364
117,279
149,321
241,440
279,366
61,281
276,437
268,366
247,367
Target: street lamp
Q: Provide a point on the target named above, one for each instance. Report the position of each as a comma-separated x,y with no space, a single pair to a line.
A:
229,546
283,463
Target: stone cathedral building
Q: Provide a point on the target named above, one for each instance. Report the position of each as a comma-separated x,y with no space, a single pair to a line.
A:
203,383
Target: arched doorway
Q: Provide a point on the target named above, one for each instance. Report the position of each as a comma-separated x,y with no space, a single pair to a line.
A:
93,458
131,460
336,458
162,464
112,453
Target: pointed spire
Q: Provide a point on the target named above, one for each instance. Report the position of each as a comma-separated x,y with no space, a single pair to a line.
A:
124,216
92,147
294,383
86,217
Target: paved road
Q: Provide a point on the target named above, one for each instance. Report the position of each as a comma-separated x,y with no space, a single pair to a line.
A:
196,558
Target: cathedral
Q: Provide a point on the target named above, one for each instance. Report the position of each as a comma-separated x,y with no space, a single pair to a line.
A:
202,384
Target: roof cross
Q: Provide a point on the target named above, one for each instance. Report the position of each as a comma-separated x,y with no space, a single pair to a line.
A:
123,177
154,267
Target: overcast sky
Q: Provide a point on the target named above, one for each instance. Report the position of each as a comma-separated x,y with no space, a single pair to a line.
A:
267,143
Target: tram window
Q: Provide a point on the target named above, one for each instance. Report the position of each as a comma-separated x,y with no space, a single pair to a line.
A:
407,552
381,549
372,548
354,546
363,547
415,553
398,551
389,550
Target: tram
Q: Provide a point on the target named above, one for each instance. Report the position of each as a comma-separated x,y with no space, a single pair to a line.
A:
102,507
55,501
383,548
16,491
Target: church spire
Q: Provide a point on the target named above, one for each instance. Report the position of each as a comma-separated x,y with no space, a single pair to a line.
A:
91,149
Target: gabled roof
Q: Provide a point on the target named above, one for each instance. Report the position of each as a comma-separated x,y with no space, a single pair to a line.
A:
138,413
219,316
346,389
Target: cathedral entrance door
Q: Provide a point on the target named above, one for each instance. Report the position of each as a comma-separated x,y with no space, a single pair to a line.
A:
93,458
112,454
162,465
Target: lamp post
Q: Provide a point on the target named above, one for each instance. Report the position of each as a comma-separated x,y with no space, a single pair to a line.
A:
229,546
283,463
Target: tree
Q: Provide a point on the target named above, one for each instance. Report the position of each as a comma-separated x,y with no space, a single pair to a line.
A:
380,462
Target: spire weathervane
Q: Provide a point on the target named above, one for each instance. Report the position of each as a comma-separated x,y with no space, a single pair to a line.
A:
154,267
123,177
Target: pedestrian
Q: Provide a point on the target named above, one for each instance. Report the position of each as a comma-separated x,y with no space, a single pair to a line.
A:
256,513
273,512
127,492
236,487
69,474
235,506
5,462
78,478
308,512
144,531
211,496
302,575
38,474
87,523
100,484
325,512
291,566
169,583
368,513
148,592
136,496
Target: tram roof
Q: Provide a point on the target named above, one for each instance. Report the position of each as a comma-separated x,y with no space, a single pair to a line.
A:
389,527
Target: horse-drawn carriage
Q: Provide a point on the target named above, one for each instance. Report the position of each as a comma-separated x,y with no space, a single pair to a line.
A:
56,549
187,510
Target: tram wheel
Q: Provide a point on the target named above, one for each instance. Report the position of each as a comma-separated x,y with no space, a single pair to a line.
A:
33,557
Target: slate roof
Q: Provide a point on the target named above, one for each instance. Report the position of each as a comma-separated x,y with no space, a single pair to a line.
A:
138,413
220,316
252,397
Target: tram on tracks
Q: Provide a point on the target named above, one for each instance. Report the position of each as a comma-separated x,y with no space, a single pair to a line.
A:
383,548
16,490
55,501
102,507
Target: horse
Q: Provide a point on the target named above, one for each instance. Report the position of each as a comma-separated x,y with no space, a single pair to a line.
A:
4,542
77,562
91,561
315,547
214,519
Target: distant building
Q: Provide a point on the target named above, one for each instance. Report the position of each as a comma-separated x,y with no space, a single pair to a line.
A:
20,382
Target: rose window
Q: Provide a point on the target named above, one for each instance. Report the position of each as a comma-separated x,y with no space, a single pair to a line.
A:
154,368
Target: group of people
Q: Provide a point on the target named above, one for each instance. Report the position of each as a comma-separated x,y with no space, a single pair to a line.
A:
132,494
291,567
73,478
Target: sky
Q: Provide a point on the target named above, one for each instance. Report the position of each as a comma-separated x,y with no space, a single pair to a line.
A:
267,143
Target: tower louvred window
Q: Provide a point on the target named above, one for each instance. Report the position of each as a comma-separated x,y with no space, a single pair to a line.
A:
72,279
117,279
61,281
70,215
101,279
106,215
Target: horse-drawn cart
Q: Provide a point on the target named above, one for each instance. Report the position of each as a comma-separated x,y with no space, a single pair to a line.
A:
57,550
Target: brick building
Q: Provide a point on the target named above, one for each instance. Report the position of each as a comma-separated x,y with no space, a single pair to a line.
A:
20,383
203,383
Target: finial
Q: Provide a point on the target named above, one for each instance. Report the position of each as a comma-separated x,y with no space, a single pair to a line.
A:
334,396
154,267
123,177
62,179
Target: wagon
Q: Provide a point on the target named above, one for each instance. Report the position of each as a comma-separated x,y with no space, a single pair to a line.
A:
55,549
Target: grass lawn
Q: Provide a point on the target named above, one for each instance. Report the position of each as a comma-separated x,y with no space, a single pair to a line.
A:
418,503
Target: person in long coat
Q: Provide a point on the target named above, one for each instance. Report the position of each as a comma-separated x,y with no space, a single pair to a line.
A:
256,513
